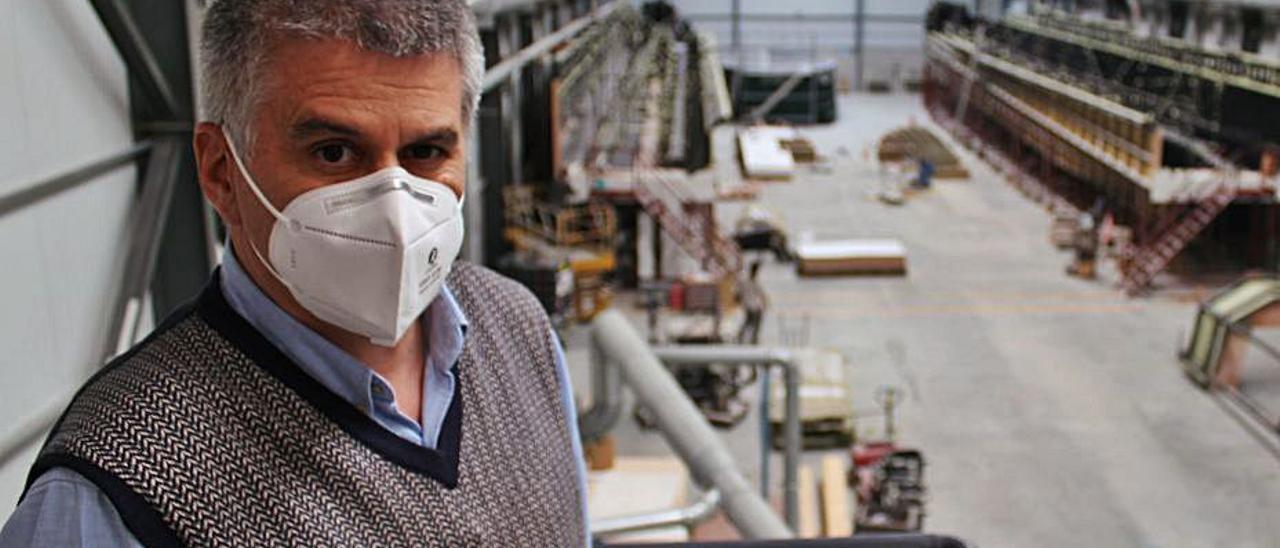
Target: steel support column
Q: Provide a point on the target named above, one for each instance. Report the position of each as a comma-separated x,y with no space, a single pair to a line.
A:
145,235
508,45
859,42
168,261
736,30
490,161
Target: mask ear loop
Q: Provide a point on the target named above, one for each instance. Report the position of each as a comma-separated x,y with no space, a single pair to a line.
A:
265,203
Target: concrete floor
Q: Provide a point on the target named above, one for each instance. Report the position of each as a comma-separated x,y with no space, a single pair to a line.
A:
1051,410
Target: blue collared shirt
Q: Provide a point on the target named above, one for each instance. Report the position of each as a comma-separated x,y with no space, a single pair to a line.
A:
62,508
349,378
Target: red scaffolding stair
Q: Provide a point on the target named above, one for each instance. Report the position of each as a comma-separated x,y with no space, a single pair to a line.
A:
1144,263
660,196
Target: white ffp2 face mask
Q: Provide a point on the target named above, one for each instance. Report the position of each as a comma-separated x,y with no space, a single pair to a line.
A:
367,255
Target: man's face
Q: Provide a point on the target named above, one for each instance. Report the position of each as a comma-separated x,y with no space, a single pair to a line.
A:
332,112
329,112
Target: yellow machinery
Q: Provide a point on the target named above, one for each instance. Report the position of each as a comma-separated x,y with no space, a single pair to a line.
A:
580,234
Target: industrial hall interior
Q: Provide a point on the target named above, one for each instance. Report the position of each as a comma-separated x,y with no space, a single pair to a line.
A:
829,273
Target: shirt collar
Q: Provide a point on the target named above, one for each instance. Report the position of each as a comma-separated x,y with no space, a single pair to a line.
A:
331,366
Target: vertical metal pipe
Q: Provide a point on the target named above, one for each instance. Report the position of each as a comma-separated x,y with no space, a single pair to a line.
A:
766,432
791,430
606,396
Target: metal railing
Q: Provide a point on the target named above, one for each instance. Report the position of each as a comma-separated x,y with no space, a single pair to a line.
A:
683,425
688,516
764,358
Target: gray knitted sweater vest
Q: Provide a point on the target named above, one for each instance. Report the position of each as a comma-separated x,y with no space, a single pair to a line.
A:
206,435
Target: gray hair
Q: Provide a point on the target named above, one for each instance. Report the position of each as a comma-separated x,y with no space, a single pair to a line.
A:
236,38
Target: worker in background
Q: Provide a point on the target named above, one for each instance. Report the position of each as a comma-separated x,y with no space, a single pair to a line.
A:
924,174
341,381
1085,246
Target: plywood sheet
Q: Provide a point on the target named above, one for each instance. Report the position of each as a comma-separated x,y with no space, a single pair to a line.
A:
763,156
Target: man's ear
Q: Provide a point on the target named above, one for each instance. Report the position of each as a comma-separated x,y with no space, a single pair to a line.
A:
214,168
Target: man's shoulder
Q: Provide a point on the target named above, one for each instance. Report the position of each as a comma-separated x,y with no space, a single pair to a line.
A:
141,382
168,336
478,286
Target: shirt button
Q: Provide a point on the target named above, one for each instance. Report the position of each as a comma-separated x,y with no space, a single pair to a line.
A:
378,390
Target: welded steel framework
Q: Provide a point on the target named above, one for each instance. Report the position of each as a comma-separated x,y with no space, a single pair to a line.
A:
524,41
960,88
1226,97
1141,104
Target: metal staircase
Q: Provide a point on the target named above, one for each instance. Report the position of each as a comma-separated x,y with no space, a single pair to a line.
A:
1142,264
662,198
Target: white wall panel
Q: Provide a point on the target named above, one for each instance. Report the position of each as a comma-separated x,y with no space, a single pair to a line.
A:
63,102
13,121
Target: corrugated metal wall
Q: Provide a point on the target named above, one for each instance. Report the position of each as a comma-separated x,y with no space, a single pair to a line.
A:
821,30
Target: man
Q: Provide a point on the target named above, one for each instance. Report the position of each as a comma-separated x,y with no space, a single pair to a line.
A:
340,382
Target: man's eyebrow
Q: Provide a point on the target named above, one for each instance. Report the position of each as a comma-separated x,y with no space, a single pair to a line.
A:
443,137
317,126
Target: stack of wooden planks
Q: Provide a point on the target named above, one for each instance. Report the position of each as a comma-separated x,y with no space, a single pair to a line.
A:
919,143
845,257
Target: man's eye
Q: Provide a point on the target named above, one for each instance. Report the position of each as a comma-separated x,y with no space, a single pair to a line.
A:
425,152
334,153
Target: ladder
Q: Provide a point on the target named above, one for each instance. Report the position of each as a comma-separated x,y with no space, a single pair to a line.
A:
1144,263
695,234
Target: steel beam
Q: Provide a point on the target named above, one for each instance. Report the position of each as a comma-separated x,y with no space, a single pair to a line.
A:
137,54
52,186
146,232
500,72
